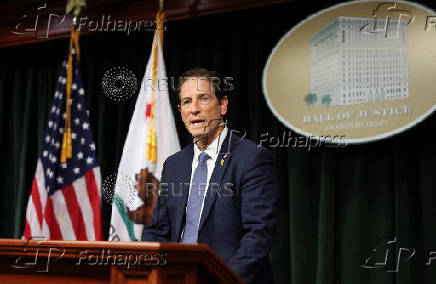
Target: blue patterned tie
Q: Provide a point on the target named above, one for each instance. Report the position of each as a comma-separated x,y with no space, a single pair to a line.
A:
196,196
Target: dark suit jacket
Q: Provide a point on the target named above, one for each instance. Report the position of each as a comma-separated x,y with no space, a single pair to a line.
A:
239,213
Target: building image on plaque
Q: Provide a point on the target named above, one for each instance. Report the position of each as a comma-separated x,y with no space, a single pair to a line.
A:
359,60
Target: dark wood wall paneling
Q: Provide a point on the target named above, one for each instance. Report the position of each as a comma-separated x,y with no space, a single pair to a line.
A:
12,17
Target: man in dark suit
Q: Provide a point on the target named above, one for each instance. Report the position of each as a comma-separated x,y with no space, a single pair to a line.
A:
221,190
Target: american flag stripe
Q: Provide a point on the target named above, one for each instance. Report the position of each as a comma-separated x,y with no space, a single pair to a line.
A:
51,222
62,217
94,199
97,180
40,181
37,202
85,206
34,212
33,223
75,213
86,203
27,231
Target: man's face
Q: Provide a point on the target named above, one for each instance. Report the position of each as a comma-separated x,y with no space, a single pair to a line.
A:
200,109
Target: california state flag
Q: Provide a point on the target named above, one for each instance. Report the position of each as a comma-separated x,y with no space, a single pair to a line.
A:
152,137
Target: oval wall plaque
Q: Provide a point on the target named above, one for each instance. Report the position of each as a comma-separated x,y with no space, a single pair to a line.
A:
362,70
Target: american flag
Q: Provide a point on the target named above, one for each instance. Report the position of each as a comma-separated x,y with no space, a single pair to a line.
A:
64,203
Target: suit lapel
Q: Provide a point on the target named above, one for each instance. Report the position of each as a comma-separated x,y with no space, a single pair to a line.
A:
221,163
185,179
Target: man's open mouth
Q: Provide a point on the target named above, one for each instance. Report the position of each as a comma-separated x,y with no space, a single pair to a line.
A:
197,122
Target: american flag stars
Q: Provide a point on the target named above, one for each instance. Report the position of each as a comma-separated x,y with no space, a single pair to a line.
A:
80,155
83,147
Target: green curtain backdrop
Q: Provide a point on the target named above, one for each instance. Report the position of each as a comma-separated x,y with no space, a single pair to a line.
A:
334,203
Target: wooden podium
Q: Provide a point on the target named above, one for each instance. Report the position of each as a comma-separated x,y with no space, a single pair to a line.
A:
45,262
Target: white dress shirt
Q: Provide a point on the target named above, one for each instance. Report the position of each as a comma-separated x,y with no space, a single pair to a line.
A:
212,150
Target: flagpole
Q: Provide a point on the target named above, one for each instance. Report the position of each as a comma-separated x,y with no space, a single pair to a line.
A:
159,19
151,142
66,150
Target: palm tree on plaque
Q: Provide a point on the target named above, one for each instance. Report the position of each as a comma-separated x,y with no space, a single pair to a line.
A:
326,100
310,99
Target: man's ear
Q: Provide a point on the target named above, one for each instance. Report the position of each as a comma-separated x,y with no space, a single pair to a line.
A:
223,105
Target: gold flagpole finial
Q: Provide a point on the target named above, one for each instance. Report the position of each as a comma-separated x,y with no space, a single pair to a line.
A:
75,6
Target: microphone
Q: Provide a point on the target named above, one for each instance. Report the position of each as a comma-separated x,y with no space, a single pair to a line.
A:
214,119
219,125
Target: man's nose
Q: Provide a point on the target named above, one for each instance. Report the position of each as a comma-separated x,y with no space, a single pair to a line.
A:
195,107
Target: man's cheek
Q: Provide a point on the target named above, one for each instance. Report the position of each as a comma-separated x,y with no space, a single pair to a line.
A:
187,124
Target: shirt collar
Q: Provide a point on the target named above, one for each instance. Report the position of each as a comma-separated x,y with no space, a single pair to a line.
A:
214,148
